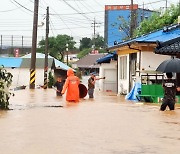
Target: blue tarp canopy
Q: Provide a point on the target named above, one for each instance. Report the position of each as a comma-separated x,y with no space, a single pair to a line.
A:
10,62
107,58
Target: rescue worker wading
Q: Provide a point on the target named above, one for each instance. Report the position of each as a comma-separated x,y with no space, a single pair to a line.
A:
71,84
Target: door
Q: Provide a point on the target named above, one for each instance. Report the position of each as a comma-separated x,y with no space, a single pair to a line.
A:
132,69
110,83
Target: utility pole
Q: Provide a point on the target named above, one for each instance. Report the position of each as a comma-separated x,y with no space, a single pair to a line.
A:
131,20
67,50
46,50
94,25
22,44
34,43
166,4
143,12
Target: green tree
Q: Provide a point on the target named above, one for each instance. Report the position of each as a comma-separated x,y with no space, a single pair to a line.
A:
99,42
5,82
51,80
85,43
84,52
57,45
158,21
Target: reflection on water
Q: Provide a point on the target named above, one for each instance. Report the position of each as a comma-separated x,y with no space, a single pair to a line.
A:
41,123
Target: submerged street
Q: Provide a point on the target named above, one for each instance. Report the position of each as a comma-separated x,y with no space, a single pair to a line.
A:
41,123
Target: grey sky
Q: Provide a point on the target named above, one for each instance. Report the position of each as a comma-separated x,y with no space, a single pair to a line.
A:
65,15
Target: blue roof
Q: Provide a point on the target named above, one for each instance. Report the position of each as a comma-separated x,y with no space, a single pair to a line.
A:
57,62
163,35
61,65
10,62
107,58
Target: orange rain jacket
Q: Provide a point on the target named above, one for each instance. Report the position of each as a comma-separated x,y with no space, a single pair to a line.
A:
71,84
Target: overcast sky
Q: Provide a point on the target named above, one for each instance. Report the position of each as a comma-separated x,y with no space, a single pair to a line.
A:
71,17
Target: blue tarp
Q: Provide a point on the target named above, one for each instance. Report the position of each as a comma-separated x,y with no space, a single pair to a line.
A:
134,92
10,62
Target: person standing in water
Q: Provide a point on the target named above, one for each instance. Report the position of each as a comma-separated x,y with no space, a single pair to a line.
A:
72,86
59,86
170,88
91,84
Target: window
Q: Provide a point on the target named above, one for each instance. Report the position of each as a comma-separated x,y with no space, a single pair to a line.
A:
123,67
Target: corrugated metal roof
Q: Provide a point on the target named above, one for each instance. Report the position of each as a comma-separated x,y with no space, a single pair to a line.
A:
40,59
107,58
26,63
10,62
171,47
163,35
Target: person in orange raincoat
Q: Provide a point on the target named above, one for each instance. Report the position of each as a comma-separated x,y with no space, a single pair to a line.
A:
71,84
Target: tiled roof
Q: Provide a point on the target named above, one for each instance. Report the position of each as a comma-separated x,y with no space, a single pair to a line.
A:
171,47
89,61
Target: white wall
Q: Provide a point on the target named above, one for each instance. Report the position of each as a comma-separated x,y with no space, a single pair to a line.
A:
108,70
150,60
21,76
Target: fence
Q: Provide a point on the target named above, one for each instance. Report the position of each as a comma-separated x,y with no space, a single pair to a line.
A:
15,44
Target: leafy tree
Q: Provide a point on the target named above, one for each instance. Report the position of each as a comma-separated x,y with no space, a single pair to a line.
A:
5,82
84,52
125,27
158,21
57,45
85,43
99,42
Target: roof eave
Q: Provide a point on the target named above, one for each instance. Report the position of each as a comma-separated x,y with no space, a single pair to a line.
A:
138,44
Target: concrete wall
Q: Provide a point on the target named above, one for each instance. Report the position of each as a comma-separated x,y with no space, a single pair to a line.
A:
21,76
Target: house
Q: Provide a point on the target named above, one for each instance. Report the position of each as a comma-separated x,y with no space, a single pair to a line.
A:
88,63
20,68
108,69
136,56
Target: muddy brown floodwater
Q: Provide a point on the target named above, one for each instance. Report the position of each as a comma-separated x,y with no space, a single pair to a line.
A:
41,123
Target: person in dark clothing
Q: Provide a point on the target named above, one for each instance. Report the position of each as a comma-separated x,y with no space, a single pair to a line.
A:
170,88
91,84
59,86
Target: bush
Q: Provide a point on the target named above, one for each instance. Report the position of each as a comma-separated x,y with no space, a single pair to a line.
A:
51,80
5,82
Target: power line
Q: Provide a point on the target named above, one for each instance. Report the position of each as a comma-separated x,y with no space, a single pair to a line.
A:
75,9
23,6
70,14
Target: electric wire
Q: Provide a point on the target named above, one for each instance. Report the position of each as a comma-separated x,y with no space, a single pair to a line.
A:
23,6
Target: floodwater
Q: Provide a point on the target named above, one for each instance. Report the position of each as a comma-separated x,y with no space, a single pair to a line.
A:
41,123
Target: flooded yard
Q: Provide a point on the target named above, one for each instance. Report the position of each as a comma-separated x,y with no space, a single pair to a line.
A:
41,123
